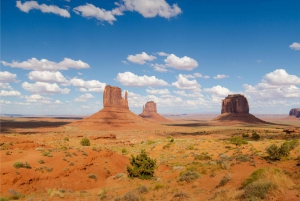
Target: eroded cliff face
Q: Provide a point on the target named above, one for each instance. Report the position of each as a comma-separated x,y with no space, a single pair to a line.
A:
295,112
112,98
235,103
150,107
150,112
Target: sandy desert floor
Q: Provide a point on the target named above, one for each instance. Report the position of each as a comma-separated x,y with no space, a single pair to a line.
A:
60,168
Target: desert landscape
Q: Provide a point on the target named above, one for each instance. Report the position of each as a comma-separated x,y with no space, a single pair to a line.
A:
197,157
150,100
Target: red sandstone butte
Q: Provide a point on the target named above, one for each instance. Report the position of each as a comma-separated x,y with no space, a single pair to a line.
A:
112,98
150,112
114,115
235,108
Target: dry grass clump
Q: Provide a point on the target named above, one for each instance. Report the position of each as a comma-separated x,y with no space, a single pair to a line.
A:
180,196
129,196
189,176
266,181
142,189
227,195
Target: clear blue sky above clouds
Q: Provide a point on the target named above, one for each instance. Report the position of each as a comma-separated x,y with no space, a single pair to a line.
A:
58,55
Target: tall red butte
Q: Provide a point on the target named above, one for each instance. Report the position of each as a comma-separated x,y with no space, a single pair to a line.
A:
115,113
235,108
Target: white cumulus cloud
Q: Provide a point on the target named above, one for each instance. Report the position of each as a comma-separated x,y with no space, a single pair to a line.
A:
6,76
130,79
281,77
218,91
163,54
46,65
200,75
220,76
89,11
185,84
10,93
152,8
30,5
90,85
44,88
84,97
183,63
158,91
36,98
47,76
295,46
159,68
140,58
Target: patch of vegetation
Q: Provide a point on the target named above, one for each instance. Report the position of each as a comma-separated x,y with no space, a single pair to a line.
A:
203,156
22,165
64,148
255,136
245,135
14,195
190,147
180,196
189,176
124,151
237,141
85,142
44,169
263,181
158,186
224,180
149,142
92,176
258,189
66,139
47,153
41,161
142,166
276,153
172,140
4,199
142,189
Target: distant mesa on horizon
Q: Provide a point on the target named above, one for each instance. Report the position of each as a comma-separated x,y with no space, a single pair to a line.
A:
150,112
295,112
235,108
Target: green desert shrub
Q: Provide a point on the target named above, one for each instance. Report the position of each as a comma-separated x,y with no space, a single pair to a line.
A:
92,176
47,153
188,176
203,156
22,165
255,136
276,153
142,166
85,142
237,141
66,139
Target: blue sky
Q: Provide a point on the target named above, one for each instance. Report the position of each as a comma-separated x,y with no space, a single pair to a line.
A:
58,55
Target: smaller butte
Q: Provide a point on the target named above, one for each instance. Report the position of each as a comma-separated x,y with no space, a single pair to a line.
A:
295,112
150,113
235,108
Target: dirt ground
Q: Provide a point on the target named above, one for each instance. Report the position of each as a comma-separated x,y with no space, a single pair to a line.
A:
62,169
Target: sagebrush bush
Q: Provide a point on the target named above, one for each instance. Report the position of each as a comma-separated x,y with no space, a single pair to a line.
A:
85,142
22,165
142,166
276,153
189,176
258,189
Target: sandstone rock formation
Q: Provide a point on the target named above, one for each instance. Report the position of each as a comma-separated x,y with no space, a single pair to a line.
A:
295,112
112,98
150,112
114,115
235,103
235,108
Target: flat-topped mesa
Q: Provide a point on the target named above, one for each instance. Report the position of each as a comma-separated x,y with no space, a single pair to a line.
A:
295,112
235,103
112,98
150,107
